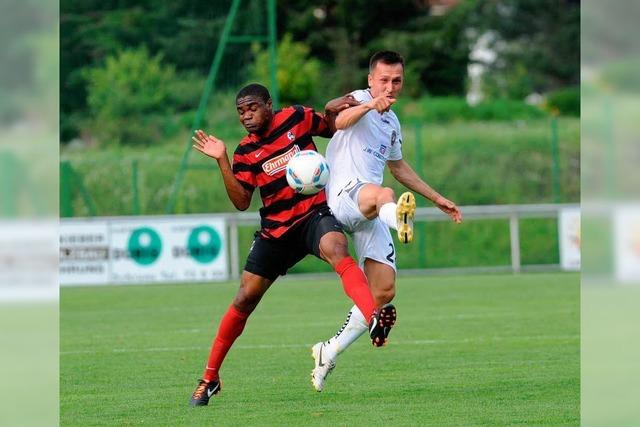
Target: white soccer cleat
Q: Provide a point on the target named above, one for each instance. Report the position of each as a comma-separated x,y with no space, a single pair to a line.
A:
323,367
405,210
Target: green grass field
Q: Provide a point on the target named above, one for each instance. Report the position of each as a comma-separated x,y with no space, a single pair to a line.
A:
467,350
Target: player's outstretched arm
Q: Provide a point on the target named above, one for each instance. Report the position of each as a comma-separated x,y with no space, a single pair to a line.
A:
406,176
335,106
213,147
351,116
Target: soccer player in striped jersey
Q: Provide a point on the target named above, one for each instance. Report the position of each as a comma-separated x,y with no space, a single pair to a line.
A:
292,225
368,139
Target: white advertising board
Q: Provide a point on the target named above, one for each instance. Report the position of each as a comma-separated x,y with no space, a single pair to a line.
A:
627,243
84,252
569,238
163,249
28,260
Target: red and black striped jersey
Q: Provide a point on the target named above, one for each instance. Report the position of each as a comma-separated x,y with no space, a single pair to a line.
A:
260,161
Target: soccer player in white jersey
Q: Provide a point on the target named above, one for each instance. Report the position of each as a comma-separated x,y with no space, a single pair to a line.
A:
368,138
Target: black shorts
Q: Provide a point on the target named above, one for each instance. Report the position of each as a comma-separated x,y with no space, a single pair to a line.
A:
271,258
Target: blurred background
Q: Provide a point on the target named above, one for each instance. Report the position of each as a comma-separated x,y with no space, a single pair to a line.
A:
29,157
611,213
489,113
490,117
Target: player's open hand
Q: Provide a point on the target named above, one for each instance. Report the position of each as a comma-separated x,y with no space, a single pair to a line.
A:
209,145
450,208
336,105
381,104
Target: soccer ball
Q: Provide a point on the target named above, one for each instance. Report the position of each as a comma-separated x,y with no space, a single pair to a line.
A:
307,172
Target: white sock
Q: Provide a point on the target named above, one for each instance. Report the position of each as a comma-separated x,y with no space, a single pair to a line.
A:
388,215
353,327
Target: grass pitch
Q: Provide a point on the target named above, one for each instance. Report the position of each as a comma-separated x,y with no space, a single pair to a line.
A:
466,350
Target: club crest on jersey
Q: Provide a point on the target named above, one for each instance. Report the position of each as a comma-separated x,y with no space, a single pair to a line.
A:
383,149
291,136
279,163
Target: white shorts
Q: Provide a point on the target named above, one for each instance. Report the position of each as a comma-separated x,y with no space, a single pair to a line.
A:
371,238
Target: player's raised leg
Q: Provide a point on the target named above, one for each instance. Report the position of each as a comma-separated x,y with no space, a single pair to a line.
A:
376,201
252,288
382,282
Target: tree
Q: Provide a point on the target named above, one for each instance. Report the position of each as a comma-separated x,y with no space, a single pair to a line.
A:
346,33
185,32
436,49
537,43
126,93
298,74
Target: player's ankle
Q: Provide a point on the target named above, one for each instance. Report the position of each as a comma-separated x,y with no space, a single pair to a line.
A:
387,215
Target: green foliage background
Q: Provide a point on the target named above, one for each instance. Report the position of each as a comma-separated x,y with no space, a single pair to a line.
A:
470,162
324,47
132,74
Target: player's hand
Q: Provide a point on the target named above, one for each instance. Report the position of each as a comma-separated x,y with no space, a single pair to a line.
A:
209,145
450,208
336,105
381,104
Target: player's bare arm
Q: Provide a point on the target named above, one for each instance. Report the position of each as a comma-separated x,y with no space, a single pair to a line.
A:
335,106
351,116
213,147
405,175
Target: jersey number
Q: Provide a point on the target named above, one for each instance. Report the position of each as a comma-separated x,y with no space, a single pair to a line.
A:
391,254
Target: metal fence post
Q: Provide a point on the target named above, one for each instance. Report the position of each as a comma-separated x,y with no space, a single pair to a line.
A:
234,256
8,186
134,185
514,234
273,54
66,202
555,157
419,168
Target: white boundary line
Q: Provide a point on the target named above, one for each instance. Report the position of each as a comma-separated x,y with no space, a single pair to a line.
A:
283,346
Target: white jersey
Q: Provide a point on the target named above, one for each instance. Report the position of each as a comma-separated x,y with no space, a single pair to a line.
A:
362,150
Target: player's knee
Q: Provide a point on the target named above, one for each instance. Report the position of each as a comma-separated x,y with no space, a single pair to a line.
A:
384,293
245,300
338,253
334,250
245,303
385,195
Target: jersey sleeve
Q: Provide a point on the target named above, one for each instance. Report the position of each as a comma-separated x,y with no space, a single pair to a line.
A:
244,171
361,96
318,123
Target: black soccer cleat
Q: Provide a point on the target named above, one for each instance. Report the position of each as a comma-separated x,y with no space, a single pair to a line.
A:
381,324
204,391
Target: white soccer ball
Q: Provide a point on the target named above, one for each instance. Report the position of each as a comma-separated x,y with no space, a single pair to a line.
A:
307,172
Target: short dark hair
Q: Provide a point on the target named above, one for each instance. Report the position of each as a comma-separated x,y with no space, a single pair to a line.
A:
254,89
388,57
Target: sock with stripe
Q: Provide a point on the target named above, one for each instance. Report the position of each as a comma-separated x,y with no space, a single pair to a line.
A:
356,286
230,328
351,330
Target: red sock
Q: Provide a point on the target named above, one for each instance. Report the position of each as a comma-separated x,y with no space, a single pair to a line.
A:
356,286
230,328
